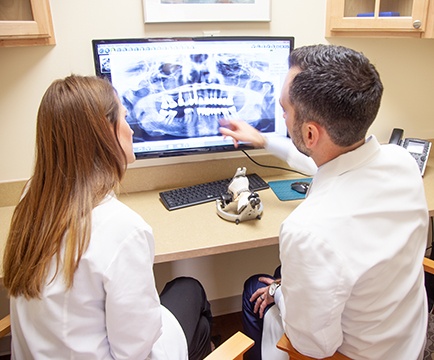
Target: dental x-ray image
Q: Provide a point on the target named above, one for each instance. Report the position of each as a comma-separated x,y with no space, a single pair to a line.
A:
176,92
185,95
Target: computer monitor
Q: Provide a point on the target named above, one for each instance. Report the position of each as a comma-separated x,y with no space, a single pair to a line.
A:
176,90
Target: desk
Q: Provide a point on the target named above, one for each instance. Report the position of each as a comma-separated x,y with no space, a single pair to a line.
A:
198,231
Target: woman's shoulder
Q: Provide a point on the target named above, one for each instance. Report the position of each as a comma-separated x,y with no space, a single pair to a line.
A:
113,225
112,210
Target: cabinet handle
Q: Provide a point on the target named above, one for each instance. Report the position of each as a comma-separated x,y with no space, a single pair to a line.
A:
417,24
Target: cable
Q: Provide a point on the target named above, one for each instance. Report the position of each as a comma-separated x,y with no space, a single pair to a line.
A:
272,166
431,254
432,232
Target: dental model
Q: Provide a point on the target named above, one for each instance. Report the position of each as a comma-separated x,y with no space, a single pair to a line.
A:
239,203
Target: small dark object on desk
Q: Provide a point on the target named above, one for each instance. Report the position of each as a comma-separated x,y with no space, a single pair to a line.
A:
300,186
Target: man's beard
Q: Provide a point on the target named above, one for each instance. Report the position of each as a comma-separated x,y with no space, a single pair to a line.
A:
297,138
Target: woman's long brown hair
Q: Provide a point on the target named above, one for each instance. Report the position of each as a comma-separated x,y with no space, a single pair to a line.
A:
79,160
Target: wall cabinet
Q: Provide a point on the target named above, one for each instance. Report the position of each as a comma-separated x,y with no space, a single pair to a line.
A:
380,18
25,23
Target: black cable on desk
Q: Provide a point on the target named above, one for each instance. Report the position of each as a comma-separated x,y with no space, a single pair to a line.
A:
272,166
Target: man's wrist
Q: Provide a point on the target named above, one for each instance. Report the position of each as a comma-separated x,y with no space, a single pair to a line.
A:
273,287
262,143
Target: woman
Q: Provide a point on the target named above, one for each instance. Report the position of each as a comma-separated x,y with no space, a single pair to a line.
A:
78,263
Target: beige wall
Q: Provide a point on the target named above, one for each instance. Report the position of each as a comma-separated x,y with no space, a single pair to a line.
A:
406,67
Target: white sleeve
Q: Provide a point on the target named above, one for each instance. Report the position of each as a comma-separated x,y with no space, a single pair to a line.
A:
284,149
133,311
315,288
172,344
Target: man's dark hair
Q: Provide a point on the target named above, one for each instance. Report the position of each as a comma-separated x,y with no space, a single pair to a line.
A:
338,88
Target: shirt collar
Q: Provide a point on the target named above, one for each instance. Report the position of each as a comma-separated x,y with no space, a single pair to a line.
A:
350,160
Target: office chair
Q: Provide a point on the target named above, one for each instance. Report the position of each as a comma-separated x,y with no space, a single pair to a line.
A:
232,349
285,345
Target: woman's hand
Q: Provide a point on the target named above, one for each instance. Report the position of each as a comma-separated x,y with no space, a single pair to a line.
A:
261,296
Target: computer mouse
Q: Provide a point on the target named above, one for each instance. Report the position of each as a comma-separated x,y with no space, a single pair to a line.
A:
300,186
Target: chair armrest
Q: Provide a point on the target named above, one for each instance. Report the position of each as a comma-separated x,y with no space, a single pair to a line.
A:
285,345
428,265
232,348
5,326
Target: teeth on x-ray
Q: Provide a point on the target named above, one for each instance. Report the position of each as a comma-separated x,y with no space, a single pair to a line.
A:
186,96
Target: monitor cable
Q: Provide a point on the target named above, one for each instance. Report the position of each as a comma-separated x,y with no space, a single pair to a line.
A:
274,167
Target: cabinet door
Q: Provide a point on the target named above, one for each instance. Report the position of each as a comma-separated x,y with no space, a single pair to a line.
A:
25,22
377,17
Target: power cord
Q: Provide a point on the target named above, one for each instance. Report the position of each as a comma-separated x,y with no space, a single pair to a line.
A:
272,166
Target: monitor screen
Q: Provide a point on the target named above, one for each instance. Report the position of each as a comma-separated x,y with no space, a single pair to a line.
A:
176,90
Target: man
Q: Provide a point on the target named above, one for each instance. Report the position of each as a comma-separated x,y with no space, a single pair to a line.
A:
351,254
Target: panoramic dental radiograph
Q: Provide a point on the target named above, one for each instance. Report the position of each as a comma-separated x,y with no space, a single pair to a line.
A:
185,96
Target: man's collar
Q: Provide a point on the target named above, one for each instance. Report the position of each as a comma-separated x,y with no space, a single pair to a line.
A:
351,159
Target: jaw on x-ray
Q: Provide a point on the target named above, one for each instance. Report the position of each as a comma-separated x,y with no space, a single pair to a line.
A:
186,95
